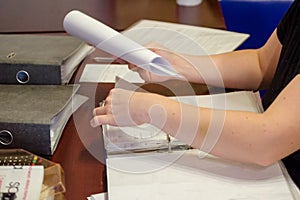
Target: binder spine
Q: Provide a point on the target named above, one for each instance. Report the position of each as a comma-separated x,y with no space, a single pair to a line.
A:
30,74
31,137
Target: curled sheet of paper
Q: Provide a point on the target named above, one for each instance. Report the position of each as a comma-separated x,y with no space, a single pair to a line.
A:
107,39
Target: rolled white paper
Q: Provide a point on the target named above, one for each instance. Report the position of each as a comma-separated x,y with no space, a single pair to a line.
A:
107,39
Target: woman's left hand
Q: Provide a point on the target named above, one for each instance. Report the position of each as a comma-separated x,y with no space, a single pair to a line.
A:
122,108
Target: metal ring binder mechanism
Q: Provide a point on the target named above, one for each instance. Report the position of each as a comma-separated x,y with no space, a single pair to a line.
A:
22,76
6,137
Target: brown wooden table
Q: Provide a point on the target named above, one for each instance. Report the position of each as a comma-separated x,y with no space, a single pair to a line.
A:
80,150
47,16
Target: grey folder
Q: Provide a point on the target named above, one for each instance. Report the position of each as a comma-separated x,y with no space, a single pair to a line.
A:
40,59
27,113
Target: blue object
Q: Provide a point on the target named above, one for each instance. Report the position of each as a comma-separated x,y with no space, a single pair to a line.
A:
258,18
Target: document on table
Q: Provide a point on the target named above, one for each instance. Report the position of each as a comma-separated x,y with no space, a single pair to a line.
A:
107,73
21,182
183,38
100,196
184,175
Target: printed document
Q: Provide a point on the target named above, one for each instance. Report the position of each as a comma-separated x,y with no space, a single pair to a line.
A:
21,182
107,73
185,39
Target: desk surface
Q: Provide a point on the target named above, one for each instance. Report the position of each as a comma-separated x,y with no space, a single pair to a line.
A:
47,16
80,151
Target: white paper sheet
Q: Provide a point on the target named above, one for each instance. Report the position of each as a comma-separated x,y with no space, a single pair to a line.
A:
106,73
100,196
105,38
24,181
186,39
153,177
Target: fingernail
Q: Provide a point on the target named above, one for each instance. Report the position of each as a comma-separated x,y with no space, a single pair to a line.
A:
93,123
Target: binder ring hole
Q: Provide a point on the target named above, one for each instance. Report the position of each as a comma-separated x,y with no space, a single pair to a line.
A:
22,77
11,55
6,138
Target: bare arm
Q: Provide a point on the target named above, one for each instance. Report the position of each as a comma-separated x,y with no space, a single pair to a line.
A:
244,69
260,138
250,69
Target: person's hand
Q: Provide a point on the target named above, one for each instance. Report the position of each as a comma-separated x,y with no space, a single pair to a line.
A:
178,62
122,108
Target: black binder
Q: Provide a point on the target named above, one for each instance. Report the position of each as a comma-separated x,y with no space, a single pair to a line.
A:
32,117
40,59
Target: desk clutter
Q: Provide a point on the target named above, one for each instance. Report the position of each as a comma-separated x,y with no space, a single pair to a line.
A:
33,116
36,102
24,175
40,59
142,162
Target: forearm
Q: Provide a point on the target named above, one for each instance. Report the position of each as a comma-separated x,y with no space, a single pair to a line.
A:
178,120
227,134
214,131
239,69
244,69
206,129
235,135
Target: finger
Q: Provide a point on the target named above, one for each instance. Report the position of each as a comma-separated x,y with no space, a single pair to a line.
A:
145,75
101,120
151,45
120,61
132,67
99,111
94,122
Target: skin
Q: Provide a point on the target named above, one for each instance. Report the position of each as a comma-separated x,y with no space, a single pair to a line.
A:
259,138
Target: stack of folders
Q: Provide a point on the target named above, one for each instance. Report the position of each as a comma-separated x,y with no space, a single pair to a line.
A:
40,59
36,99
33,117
140,164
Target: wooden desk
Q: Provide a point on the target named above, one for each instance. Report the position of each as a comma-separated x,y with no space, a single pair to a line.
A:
127,12
47,16
80,151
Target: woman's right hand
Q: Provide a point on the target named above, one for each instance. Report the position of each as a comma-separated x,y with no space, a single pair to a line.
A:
178,62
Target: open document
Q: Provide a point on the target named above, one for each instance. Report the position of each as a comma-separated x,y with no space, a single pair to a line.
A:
186,39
